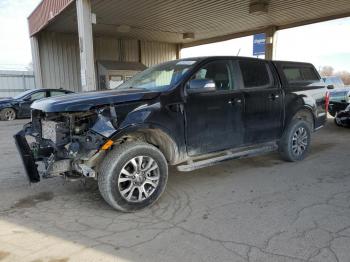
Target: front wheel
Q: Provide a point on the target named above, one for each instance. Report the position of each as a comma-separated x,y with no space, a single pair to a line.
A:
295,141
8,114
133,176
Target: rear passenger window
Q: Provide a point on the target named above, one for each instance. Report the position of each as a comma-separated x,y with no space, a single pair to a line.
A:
255,74
300,74
57,93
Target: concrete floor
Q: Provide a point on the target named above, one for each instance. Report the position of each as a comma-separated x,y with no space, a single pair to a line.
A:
259,209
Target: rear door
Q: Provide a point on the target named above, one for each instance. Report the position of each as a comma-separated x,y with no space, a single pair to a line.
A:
214,119
263,109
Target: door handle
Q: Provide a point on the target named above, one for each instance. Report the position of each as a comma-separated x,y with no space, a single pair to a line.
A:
273,97
235,101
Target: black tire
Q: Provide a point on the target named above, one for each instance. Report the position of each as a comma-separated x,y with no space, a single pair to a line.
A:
8,114
338,124
288,146
111,169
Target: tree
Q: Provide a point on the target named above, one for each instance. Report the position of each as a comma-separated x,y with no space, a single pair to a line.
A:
327,71
345,76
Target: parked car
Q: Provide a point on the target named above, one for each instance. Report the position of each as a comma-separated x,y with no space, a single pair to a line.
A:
335,81
339,94
339,99
191,113
342,118
19,106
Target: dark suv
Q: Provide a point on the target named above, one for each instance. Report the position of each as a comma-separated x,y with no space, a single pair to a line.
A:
191,113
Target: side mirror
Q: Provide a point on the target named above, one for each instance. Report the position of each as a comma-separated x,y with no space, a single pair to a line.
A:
330,87
201,86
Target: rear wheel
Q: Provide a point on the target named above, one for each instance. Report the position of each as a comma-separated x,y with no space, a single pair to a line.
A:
8,114
295,141
133,176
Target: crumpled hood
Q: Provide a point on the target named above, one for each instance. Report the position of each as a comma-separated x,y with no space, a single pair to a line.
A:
85,101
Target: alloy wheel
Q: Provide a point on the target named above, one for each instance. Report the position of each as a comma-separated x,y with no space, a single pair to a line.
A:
138,179
10,114
299,141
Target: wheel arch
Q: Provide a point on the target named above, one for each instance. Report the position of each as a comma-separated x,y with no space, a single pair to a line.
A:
154,135
304,113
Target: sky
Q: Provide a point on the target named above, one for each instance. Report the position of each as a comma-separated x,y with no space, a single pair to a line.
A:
323,44
15,51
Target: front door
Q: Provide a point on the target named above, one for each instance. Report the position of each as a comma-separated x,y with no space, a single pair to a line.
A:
263,102
214,119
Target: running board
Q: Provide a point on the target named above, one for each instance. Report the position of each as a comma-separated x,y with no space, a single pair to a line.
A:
230,155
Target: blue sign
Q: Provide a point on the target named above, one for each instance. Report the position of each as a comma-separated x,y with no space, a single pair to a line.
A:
259,44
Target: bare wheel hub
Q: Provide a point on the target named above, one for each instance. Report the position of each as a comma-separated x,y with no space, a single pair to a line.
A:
138,179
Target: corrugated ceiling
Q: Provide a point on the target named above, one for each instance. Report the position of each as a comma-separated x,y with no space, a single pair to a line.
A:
166,20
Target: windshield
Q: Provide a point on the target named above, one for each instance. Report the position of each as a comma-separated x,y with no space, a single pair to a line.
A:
161,76
21,95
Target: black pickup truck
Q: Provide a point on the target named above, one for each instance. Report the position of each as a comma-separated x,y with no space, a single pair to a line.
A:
191,113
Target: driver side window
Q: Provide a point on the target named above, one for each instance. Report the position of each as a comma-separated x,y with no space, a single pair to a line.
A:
219,72
37,96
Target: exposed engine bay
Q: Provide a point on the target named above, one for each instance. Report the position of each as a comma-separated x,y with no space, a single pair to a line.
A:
67,144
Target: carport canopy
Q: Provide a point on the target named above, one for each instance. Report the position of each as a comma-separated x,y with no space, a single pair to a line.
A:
186,23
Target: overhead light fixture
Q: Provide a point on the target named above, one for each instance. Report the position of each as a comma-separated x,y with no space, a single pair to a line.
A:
258,8
123,28
187,36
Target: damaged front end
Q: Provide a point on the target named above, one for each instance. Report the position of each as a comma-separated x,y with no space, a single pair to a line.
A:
65,144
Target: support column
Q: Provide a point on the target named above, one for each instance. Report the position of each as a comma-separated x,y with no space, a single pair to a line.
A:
36,62
178,51
87,63
269,46
139,48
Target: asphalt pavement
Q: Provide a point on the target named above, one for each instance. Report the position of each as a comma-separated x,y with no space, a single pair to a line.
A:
257,209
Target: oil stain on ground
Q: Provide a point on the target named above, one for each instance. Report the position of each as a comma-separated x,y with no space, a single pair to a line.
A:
33,200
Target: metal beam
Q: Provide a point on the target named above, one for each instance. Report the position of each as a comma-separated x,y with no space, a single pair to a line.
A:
36,62
87,63
223,38
263,30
